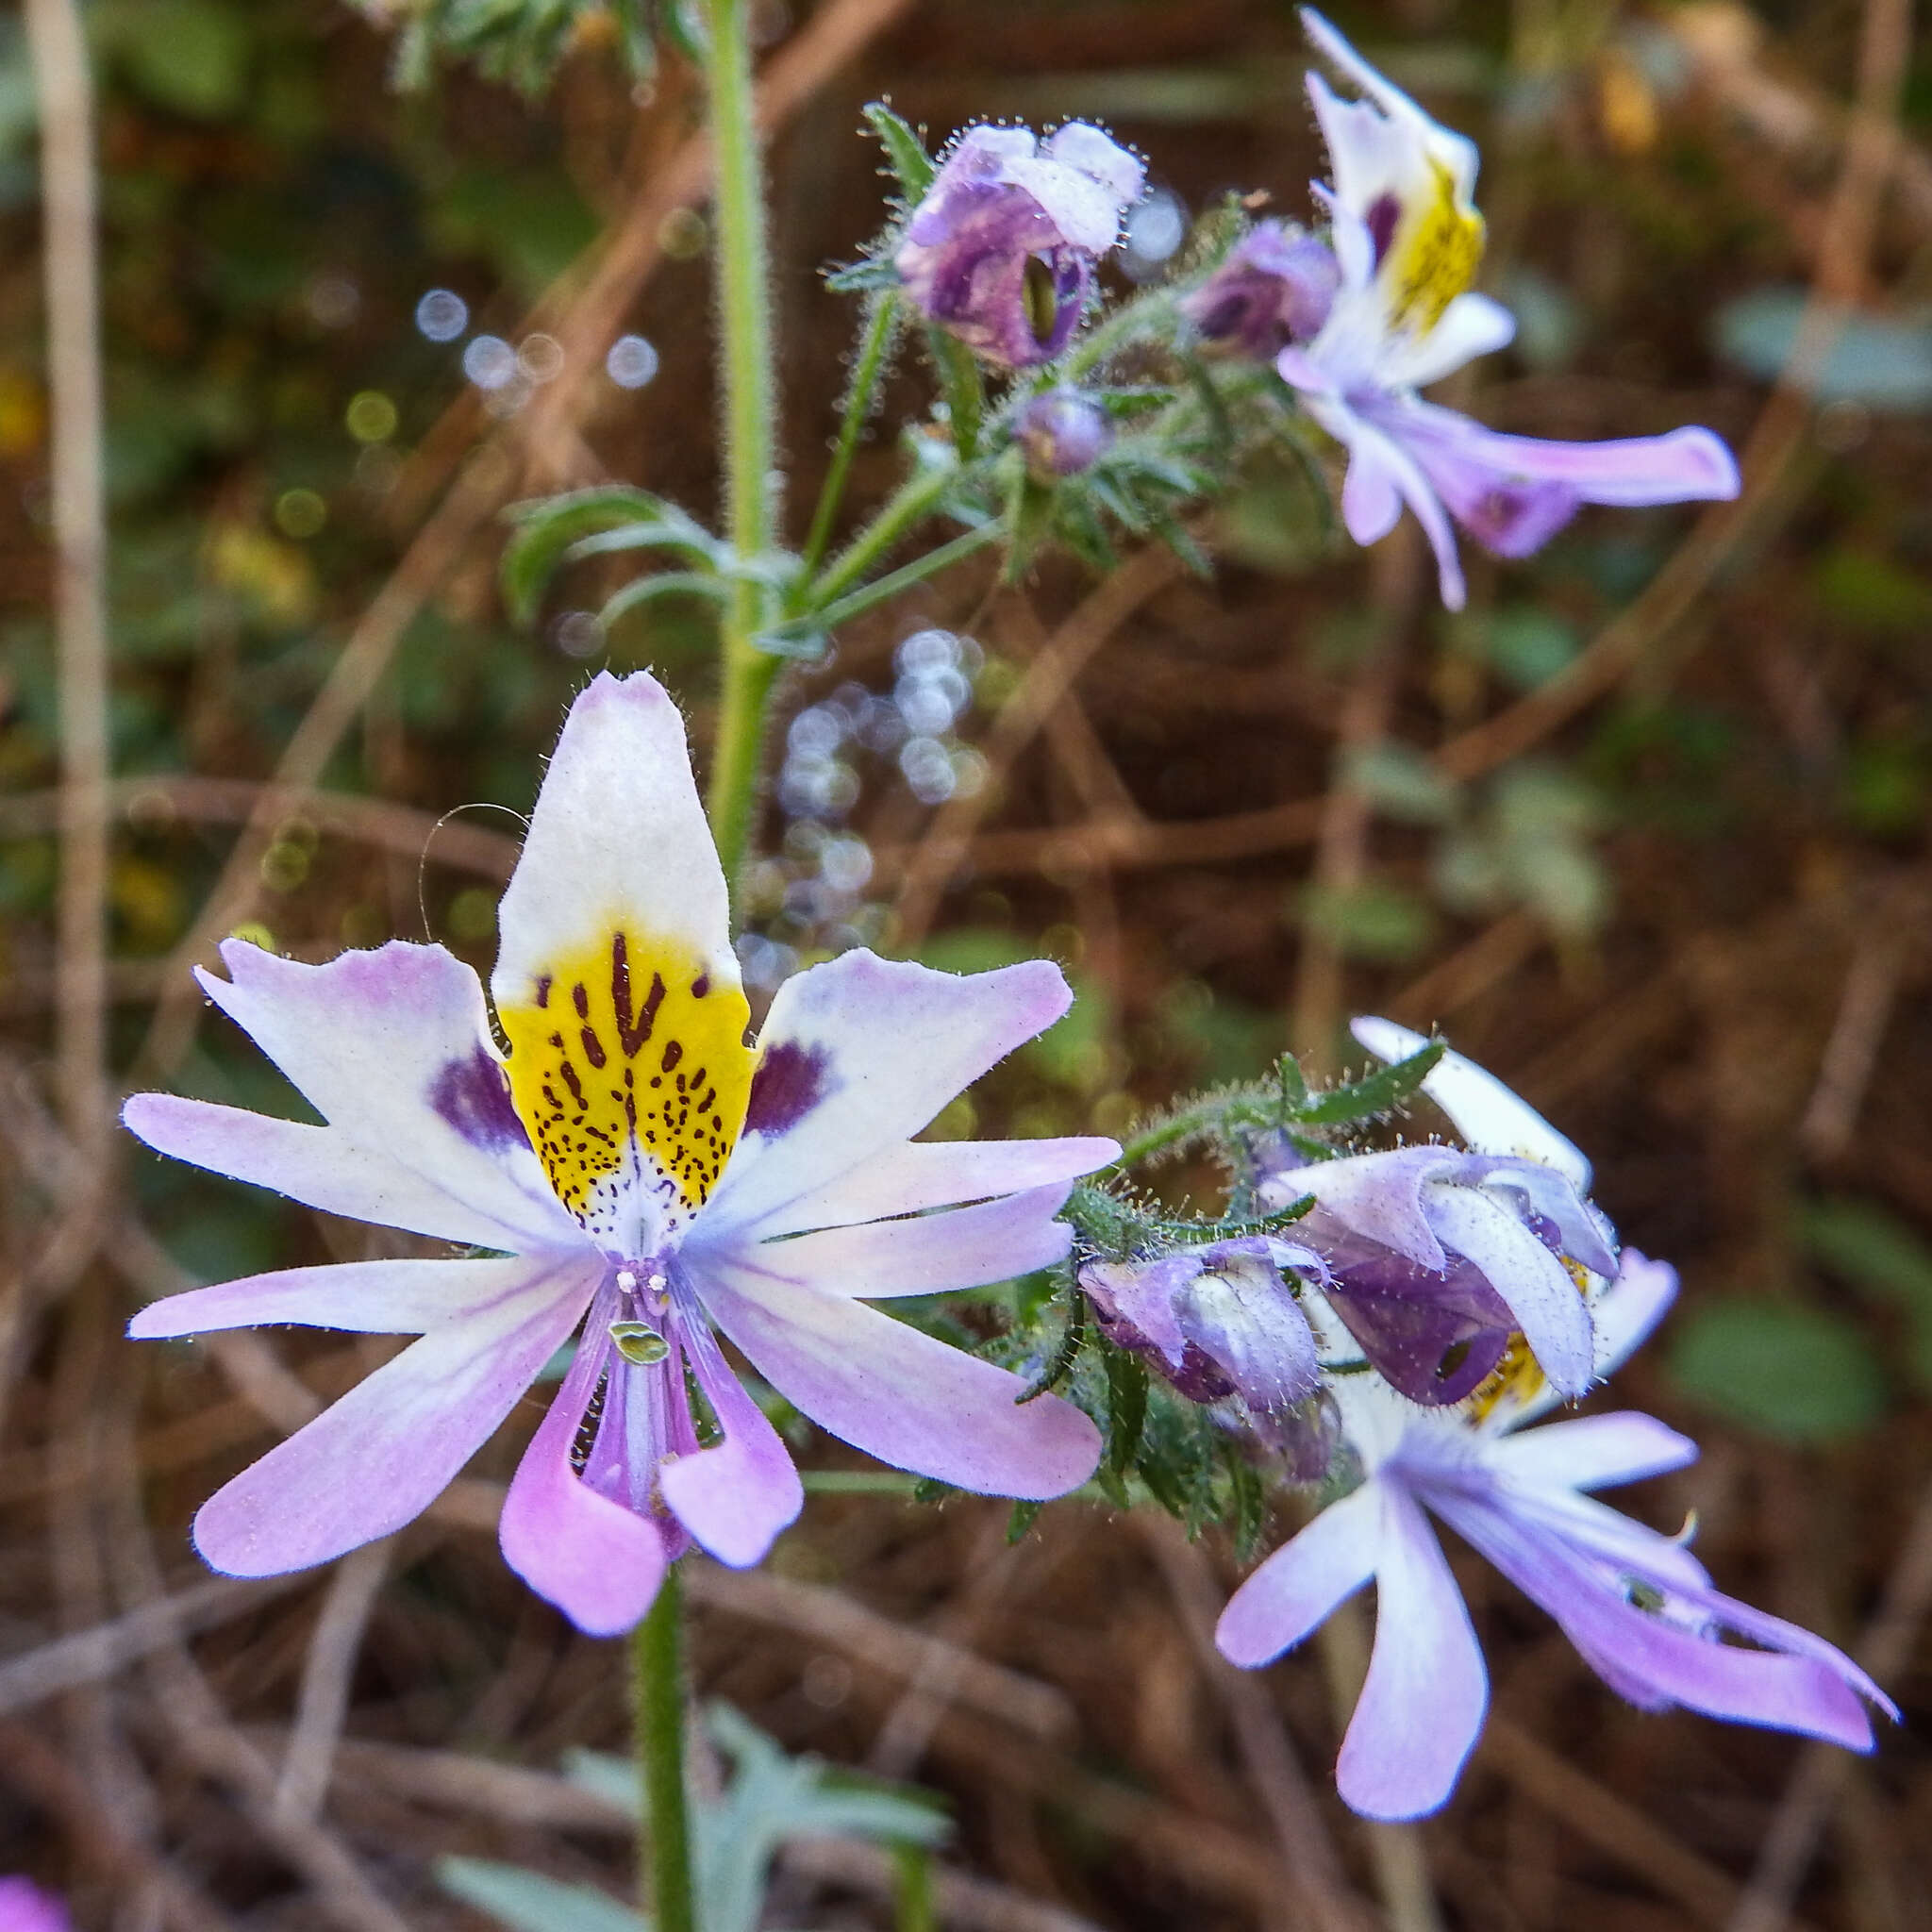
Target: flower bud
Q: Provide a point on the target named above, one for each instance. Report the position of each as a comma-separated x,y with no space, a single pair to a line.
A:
1275,285
1215,1321
1001,252
1063,432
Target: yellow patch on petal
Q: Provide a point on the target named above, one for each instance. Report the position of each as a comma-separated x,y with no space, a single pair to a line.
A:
1519,1378
631,1044
1435,255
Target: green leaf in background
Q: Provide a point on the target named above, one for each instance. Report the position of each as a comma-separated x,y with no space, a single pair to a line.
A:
1883,361
1882,1258
586,522
188,56
528,1902
1796,1374
1372,921
1522,644
1400,782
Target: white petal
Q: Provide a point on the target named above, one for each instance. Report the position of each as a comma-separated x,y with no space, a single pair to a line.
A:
1490,1117
857,1055
392,1048
1592,1452
617,842
1631,1307
1470,326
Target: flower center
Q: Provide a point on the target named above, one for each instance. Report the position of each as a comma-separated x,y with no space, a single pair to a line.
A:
630,1073
1436,260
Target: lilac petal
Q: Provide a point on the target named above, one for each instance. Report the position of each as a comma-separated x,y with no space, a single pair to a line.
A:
360,1297
597,1562
1489,1116
1238,1311
24,1907
373,1041
1378,1196
900,1396
1552,1199
1303,1583
918,1174
1592,1452
1410,1325
858,1055
1144,1295
1631,1307
1371,502
1551,1312
1687,465
928,1254
380,1456
618,841
1426,1694
1668,1663
322,1168
736,1496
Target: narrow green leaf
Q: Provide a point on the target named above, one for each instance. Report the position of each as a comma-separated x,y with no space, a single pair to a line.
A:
1127,1407
1021,1520
547,528
528,1902
1373,1093
906,155
863,277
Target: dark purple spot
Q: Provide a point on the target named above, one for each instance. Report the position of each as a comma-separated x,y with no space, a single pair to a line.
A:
1384,213
593,1047
570,1080
701,986
673,1051
543,989
474,1097
582,1001
632,1031
789,1083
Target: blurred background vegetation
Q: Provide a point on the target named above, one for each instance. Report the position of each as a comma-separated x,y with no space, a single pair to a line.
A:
1645,829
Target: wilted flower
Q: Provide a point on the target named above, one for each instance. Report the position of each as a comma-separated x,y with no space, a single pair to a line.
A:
1276,287
24,1907
1640,1608
1408,240
1439,1258
1001,252
638,1168
1063,432
1216,1321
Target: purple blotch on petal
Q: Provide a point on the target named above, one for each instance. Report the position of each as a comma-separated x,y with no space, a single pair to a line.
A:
788,1082
1383,214
473,1096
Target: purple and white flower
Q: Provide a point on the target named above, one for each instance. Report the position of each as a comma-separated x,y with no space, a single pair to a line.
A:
1217,1319
1640,1608
1001,251
1406,241
643,1173
1439,1258
1275,286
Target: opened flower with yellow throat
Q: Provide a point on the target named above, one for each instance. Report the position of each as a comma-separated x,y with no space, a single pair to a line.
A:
637,1172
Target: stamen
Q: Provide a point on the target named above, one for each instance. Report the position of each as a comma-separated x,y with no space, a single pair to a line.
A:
627,1282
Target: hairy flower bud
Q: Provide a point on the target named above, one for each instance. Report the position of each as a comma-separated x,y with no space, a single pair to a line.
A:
1001,252
1063,432
1215,1321
1275,286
